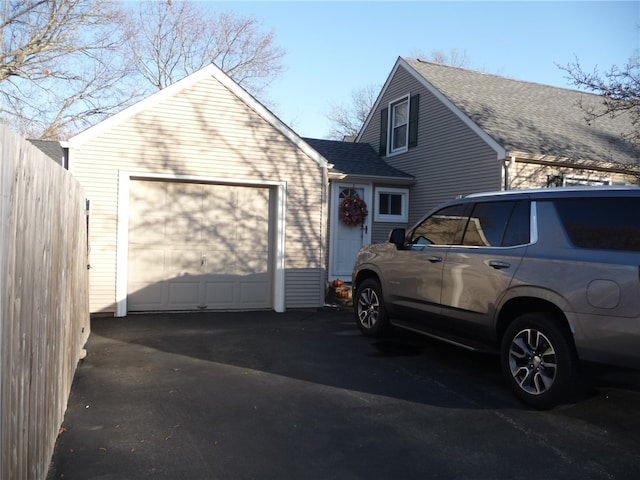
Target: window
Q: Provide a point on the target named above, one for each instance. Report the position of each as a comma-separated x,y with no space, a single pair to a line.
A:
399,125
391,205
445,227
498,224
601,223
575,180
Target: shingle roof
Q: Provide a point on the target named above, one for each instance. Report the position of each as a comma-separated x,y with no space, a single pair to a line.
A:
359,159
50,148
529,117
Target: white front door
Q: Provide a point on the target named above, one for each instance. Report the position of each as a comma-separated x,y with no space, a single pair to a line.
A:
346,240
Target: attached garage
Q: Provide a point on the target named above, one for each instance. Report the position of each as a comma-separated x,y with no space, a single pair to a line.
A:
199,246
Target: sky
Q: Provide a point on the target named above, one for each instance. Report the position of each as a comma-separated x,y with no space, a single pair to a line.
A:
334,48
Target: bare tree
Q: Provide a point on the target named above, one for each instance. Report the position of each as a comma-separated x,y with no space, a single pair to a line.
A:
620,92
176,38
347,119
61,65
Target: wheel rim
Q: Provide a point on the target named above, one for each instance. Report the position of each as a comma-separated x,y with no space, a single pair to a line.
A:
368,308
533,361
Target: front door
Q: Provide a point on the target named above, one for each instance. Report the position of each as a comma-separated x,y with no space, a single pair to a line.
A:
346,240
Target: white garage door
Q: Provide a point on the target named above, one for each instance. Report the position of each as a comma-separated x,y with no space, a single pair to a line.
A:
198,246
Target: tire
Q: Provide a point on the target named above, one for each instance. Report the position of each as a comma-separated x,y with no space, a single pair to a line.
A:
370,313
538,361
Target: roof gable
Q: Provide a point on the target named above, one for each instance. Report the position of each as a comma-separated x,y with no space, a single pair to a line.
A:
174,89
529,117
523,117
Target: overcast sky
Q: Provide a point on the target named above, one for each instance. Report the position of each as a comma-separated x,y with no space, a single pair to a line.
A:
334,48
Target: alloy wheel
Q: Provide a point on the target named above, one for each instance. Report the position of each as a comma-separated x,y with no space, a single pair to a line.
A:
532,361
368,308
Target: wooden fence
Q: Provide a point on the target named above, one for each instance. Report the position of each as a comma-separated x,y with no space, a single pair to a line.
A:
44,306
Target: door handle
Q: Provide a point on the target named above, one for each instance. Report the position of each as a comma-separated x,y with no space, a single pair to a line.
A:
498,265
435,259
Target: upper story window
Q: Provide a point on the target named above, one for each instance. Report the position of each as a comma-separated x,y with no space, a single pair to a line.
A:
399,125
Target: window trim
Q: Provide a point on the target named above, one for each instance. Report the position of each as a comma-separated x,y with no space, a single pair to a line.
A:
390,218
390,125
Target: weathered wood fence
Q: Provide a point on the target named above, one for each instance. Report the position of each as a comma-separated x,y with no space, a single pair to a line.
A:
44,306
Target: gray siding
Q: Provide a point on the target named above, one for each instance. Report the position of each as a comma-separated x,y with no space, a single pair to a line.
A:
302,287
449,160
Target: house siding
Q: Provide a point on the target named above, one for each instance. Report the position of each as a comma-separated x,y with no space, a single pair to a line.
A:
202,131
533,175
450,159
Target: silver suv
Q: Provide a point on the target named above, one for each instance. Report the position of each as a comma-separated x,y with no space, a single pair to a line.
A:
548,278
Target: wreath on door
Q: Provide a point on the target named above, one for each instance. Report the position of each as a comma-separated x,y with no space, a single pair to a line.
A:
353,210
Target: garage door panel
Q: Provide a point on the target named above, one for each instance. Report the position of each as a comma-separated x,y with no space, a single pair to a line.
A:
223,232
182,262
220,294
217,262
146,265
149,229
181,230
198,246
184,294
251,265
147,296
253,291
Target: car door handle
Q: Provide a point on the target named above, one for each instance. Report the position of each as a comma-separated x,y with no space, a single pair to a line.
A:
435,259
498,265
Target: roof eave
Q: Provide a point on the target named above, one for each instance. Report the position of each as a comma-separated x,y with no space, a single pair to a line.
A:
339,176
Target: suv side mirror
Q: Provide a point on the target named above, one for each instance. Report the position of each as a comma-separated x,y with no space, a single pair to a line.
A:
397,237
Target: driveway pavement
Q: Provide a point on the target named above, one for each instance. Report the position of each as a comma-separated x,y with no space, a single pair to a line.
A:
303,395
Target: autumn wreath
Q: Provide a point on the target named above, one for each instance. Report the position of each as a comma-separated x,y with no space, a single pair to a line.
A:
353,210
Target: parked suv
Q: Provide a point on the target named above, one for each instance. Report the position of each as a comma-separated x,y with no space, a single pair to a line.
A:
550,278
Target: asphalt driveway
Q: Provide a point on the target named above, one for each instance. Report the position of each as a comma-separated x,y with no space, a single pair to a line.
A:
303,395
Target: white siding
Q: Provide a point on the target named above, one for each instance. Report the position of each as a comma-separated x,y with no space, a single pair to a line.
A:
203,130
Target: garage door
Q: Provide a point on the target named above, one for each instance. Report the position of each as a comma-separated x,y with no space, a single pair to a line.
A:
196,246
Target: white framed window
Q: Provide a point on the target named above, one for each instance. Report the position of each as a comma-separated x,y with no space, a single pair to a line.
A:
391,205
577,180
399,125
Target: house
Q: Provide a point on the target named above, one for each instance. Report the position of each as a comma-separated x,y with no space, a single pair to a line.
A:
200,198
51,149
458,131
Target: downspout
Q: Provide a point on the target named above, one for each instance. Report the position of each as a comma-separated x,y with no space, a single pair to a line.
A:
508,165
324,228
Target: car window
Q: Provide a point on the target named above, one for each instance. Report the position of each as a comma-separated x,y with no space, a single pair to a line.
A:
518,231
445,227
601,223
487,224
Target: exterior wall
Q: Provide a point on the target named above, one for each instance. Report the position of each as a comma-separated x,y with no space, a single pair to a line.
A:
203,131
523,174
449,160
